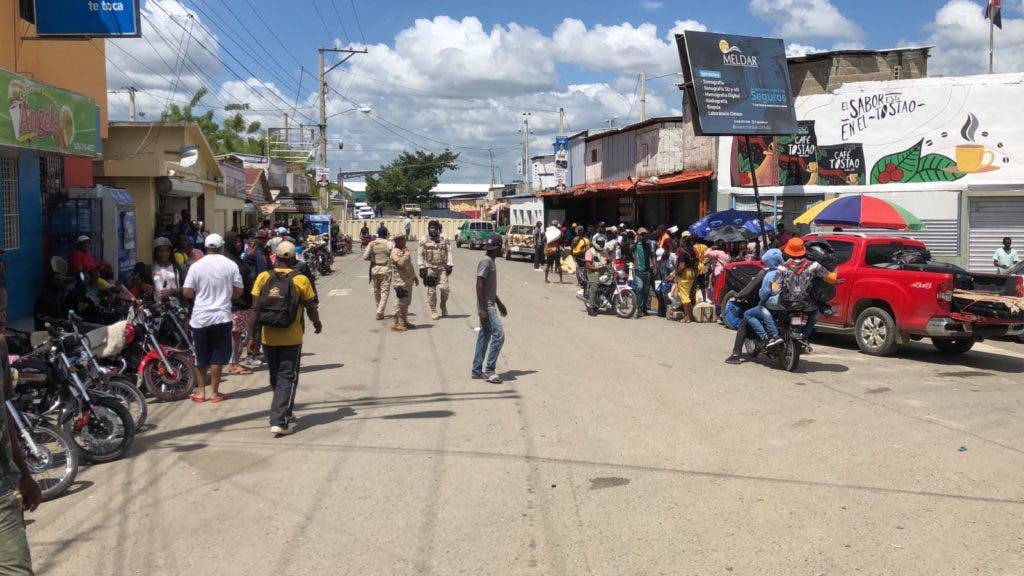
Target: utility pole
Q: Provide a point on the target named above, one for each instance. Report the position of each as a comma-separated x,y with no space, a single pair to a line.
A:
131,101
526,152
561,121
287,132
643,95
324,198
490,155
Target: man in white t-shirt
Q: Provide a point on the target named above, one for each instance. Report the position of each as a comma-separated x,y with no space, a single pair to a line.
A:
212,282
1005,257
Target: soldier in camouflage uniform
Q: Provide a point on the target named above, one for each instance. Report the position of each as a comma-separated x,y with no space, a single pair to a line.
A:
378,254
434,260
404,278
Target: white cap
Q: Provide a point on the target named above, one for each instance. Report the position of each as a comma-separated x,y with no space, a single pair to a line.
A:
83,238
673,230
214,241
660,252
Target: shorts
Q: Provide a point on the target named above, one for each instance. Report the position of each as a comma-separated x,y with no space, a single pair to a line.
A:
552,259
213,345
240,320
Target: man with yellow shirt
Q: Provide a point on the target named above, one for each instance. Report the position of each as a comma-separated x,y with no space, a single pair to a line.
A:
282,341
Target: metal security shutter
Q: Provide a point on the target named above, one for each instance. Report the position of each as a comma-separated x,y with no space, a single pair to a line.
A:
775,206
990,220
942,237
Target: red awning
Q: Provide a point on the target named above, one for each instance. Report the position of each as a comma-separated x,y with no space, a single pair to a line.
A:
672,181
616,187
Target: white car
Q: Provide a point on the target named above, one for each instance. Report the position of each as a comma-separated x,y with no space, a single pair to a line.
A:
365,213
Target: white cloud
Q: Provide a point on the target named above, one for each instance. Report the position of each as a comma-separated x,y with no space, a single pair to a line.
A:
651,5
793,49
806,19
622,48
960,32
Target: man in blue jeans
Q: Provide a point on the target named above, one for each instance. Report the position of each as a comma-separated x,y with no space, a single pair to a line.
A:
491,311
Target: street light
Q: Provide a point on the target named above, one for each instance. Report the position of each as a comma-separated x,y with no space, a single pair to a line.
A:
362,109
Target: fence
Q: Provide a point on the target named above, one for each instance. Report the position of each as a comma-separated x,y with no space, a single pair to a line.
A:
449,226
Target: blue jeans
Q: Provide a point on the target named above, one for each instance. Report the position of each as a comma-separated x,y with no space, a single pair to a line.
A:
490,336
812,321
643,292
761,322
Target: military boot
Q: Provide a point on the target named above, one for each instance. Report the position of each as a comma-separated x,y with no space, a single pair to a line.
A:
405,322
434,315
444,309
396,324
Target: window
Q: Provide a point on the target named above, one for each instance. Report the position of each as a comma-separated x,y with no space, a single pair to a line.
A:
27,10
844,251
646,152
11,212
593,155
51,185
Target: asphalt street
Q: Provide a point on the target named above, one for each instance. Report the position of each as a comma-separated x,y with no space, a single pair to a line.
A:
613,447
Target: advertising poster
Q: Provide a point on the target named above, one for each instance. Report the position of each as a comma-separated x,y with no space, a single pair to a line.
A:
42,117
91,18
561,161
739,85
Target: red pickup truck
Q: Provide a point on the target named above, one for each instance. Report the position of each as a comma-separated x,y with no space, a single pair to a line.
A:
885,299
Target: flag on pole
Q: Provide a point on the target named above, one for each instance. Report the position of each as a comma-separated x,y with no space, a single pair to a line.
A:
994,13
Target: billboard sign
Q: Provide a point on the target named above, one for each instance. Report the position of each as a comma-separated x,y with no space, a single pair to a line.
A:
323,177
43,117
91,18
561,161
738,85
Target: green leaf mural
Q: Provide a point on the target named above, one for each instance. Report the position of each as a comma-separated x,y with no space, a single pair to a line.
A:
932,169
906,161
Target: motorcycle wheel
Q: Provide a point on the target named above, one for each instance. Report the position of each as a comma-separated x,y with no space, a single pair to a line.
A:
131,397
751,348
625,304
789,354
55,467
108,434
172,385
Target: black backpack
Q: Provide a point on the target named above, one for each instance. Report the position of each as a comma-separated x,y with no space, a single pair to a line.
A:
278,304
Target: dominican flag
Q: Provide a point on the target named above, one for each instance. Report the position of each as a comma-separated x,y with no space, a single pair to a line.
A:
994,13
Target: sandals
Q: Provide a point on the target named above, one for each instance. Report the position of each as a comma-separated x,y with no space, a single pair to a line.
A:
197,398
218,397
241,371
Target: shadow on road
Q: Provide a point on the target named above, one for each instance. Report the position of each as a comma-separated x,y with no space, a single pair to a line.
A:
419,415
513,375
924,352
320,367
807,366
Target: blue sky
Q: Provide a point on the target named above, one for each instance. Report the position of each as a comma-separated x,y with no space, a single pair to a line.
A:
459,74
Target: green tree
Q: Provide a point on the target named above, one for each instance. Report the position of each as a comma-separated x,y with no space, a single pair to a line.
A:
234,134
409,178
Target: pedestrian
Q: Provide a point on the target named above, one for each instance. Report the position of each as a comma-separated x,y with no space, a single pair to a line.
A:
18,491
168,277
403,277
1005,257
685,272
579,253
279,298
82,258
408,226
552,252
698,249
491,310
241,307
212,283
643,263
538,245
665,268
182,252
257,254
434,260
377,253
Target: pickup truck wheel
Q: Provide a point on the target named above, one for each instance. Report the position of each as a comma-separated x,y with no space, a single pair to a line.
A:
953,345
875,331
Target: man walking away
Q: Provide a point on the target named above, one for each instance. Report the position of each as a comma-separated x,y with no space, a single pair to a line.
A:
403,277
213,282
644,262
1005,257
434,260
279,298
15,477
579,251
552,253
491,310
377,253
538,245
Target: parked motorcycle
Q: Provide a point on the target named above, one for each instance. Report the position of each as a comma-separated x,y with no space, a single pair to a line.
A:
343,244
787,354
614,293
99,424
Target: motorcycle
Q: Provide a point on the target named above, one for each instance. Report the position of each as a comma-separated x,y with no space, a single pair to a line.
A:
167,373
101,427
174,329
787,354
343,244
614,293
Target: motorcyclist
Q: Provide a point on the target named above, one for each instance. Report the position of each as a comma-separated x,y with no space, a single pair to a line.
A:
596,263
788,273
746,299
759,317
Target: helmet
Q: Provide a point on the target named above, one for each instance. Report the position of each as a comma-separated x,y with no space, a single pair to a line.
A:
821,251
599,240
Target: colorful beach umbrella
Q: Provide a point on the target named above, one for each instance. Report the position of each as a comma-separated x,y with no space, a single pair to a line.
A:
754,227
705,225
861,211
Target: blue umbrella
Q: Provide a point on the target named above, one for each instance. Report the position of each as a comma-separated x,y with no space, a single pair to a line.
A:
754,227
701,228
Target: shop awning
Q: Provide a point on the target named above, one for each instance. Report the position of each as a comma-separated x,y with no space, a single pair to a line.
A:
677,182
597,188
179,187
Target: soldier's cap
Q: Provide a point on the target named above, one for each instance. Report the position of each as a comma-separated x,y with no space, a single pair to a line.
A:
493,242
285,250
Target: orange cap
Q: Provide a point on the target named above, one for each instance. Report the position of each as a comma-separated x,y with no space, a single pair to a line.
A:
795,248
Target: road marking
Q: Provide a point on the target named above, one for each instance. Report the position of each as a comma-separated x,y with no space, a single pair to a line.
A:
340,292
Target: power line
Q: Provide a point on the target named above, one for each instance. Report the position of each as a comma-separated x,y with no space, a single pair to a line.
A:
330,37
340,21
358,24
272,32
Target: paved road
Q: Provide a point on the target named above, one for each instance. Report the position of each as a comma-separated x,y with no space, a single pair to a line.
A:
614,447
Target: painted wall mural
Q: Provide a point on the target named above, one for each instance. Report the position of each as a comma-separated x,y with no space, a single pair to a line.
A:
895,133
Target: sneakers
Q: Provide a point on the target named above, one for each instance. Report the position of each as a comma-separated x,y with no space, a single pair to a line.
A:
380,315
477,375
434,315
280,431
773,342
734,359
591,312
493,378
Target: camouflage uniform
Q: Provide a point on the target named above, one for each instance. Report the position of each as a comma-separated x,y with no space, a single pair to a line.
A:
404,277
435,256
377,254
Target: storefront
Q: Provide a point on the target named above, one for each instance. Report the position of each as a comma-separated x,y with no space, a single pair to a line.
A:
946,149
48,138
230,209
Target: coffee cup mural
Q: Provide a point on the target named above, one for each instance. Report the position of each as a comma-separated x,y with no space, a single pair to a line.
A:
974,158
